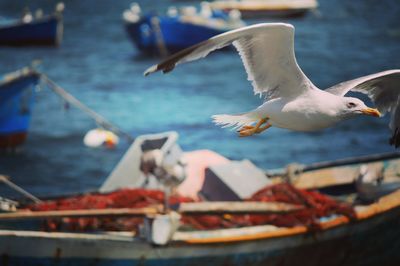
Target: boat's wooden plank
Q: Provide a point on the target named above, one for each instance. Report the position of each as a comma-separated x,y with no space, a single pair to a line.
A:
242,234
22,215
251,234
343,175
236,207
126,236
186,208
384,204
227,232
326,177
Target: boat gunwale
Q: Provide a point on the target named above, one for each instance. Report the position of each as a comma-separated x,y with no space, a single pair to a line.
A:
44,19
145,17
21,73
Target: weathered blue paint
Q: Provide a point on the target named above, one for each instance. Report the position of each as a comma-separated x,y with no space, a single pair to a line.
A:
38,32
176,35
16,102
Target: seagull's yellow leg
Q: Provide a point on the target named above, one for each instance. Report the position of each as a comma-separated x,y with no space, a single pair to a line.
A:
261,129
247,131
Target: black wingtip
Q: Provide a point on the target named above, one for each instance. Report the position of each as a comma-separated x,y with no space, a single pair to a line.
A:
395,139
168,68
164,67
169,64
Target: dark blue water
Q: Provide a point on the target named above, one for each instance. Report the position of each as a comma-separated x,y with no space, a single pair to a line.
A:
98,64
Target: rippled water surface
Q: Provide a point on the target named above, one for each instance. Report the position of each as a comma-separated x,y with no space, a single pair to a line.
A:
98,64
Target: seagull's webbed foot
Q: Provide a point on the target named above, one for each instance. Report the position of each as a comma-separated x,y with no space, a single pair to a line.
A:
247,131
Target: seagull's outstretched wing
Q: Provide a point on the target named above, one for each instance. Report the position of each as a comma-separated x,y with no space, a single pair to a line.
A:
384,90
267,53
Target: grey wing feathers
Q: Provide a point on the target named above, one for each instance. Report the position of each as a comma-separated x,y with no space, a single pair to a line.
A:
267,52
381,87
189,54
270,62
384,90
202,49
196,51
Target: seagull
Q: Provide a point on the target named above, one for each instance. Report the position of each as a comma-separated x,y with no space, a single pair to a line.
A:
291,100
371,184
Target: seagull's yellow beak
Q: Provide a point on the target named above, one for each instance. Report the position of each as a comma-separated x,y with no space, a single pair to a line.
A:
371,111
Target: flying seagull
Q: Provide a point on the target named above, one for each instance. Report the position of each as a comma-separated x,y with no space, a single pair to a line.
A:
292,101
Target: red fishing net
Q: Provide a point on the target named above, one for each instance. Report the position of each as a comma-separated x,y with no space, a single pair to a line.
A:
315,205
124,198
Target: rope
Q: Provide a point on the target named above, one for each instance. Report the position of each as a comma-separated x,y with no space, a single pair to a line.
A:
100,120
155,22
6,181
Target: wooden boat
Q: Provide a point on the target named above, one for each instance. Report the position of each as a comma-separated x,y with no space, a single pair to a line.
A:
162,35
371,237
16,102
266,8
30,31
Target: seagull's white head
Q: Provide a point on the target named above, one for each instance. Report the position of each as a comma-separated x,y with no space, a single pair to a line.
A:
352,107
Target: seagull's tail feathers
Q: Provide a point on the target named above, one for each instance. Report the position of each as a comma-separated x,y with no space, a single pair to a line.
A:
234,121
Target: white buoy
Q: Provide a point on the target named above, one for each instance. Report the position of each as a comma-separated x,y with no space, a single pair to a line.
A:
100,137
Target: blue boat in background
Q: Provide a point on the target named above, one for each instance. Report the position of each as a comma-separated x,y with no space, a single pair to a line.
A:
16,102
179,29
33,31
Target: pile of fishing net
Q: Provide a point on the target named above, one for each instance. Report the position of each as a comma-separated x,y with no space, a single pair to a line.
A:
314,206
123,198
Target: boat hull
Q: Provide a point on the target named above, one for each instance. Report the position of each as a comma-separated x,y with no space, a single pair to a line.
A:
173,35
16,103
12,140
42,32
267,8
366,242
274,13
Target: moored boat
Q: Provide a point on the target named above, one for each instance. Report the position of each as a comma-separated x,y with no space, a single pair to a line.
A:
368,236
266,8
178,29
16,102
34,31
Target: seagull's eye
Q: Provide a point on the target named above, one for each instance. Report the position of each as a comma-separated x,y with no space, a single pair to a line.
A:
351,105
